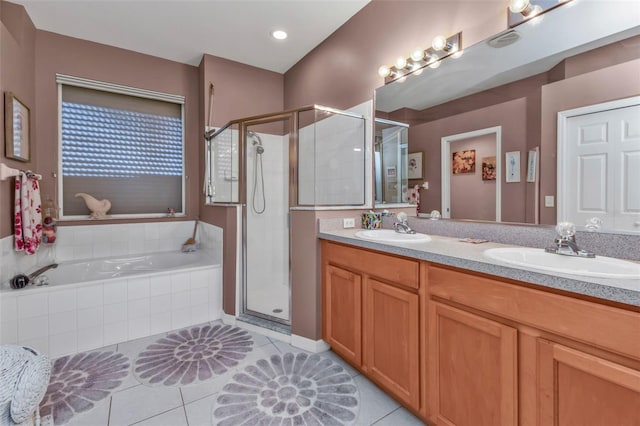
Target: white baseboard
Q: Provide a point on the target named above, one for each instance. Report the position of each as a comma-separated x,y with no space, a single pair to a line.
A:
228,319
309,345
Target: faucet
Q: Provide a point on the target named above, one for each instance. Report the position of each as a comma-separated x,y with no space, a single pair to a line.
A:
565,243
402,227
22,280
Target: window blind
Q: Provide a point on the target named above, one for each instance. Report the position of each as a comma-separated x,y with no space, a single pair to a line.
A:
123,148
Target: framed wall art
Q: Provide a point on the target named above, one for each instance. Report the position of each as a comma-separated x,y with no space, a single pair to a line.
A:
17,119
512,163
464,162
415,165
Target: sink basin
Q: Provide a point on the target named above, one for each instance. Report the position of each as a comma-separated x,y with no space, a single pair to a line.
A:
598,267
391,236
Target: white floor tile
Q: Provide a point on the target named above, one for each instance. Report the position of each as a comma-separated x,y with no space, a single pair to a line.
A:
374,404
175,417
97,416
212,386
336,358
199,413
400,417
141,402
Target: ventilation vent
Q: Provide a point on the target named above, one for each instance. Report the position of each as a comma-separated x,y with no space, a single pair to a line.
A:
504,40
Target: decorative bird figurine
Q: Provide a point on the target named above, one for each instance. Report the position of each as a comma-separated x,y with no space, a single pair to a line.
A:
98,209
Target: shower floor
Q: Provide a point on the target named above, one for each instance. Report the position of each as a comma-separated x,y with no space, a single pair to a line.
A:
269,299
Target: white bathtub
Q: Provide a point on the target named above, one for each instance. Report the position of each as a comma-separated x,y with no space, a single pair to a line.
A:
100,302
116,267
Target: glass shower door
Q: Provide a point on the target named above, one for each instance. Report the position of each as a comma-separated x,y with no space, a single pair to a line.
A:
266,221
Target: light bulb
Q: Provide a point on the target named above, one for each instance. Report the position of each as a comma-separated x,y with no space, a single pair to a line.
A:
457,54
402,79
439,43
418,72
435,65
417,55
401,62
279,34
518,6
384,71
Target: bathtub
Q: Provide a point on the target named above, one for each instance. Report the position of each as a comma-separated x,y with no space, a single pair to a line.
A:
95,303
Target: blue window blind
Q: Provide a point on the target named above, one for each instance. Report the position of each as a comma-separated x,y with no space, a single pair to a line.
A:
122,148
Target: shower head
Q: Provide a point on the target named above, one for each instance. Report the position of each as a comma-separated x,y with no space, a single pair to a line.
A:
256,141
256,138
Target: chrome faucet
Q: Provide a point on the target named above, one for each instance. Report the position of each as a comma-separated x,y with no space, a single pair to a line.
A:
402,227
565,243
22,280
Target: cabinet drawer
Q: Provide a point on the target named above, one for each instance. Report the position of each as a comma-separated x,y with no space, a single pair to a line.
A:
592,323
397,270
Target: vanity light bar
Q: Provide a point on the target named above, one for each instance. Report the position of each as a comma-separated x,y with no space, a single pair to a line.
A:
442,47
521,11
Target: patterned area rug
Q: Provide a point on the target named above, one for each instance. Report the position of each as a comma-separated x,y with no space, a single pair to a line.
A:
292,389
79,381
192,355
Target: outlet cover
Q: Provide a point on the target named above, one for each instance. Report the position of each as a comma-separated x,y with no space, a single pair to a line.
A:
348,223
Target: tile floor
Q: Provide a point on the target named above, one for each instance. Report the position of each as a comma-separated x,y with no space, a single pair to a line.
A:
134,403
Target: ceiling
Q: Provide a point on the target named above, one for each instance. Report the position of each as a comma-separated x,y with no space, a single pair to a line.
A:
182,30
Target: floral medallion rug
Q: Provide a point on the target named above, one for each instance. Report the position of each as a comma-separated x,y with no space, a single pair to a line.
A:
78,382
192,355
289,389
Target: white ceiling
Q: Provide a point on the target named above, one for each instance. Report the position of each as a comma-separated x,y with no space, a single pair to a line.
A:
182,30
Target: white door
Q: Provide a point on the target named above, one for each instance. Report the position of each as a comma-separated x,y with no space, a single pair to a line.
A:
602,168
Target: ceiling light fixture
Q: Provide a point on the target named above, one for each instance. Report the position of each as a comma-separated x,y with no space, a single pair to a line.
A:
441,48
279,34
520,11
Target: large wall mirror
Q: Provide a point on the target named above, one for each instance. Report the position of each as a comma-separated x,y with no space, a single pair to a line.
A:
497,120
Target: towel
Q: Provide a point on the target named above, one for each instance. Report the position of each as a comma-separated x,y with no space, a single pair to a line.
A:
28,214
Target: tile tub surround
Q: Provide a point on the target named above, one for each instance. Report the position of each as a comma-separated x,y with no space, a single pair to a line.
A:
450,251
99,241
65,319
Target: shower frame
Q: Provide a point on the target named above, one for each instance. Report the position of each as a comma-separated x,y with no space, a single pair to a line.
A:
243,124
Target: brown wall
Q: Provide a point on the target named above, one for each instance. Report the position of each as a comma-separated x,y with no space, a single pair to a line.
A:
427,137
343,70
472,197
17,75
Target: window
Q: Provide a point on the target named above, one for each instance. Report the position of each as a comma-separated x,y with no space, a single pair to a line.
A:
121,144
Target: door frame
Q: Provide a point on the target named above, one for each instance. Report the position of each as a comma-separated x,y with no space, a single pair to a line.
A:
562,145
445,156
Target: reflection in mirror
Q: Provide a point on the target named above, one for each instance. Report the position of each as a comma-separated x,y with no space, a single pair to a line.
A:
521,80
390,162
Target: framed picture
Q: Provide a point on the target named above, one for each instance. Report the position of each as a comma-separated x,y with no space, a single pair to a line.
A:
464,162
532,163
489,168
391,172
415,165
17,124
512,163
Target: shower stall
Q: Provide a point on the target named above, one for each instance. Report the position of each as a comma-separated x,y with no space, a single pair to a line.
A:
271,165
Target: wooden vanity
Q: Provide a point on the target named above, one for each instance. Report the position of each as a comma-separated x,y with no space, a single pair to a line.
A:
458,347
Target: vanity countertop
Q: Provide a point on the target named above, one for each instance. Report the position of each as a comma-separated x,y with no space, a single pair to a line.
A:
452,252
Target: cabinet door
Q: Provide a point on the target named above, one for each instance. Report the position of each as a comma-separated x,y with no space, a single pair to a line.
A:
391,340
576,388
473,369
343,313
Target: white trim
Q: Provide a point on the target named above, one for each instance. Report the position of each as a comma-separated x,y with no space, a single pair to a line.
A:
239,260
264,331
228,319
118,88
563,118
309,345
446,168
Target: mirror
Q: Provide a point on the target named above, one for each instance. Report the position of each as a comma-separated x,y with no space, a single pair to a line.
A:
390,162
518,82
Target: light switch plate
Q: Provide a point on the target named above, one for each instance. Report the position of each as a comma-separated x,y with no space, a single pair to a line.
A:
549,200
348,223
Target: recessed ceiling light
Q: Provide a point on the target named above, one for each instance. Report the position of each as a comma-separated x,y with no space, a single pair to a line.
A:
279,34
